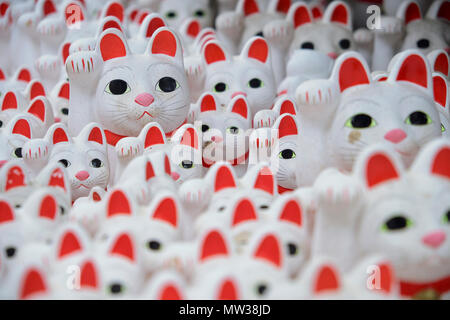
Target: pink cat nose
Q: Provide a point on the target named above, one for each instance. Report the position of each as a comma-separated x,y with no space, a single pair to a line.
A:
3,162
395,136
144,99
333,55
434,239
241,93
216,139
57,119
82,175
175,176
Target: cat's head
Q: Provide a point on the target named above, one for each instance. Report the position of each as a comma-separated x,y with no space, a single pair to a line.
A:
399,110
249,74
425,33
85,157
12,138
332,35
176,12
137,89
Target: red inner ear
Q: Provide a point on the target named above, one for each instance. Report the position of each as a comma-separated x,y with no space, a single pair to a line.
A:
283,6
240,107
33,283
316,12
124,247
441,163
88,277
245,211
170,292
292,212
165,43
37,89
49,7
224,179
6,212
167,168
250,7
326,280
301,16
193,28
144,15
259,50
133,14
3,7
287,127
69,244
228,291
380,169
2,75
9,101
287,107
57,179
265,180
24,75
340,14
48,208
64,92
207,103
213,245
65,51
167,211
413,69
23,128
154,136
59,135
444,11
412,13
352,73
112,46
269,250
111,24
96,197
441,64
118,204
96,135
386,277
440,90
213,53
153,25
38,109
190,138
15,178
149,172
115,10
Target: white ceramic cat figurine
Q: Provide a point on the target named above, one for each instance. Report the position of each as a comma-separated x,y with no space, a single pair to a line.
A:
175,12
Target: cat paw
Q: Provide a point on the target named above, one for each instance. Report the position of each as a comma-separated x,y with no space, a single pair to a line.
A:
230,23
195,69
363,36
279,33
86,44
195,193
390,26
36,149
51,27
28,21
81,64
316,92
128,148
48,65
264,119
261,142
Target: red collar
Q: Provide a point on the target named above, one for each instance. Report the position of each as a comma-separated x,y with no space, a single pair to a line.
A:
410,289
112,138
282,190
234,162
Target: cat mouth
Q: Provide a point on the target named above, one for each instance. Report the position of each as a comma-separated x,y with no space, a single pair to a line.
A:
405,154
143,114
81,185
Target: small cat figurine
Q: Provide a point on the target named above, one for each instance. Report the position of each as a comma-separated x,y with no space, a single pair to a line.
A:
175,12
12,138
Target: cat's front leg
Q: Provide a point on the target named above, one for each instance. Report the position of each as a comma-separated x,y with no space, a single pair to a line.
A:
264,119
195,195
126,150
229,29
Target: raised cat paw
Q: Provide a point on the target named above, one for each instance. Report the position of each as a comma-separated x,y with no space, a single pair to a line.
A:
86,44
390,26
230,23
194,68
50,27
36,149
363,36
48,65
279,33
261,142
316,92
264,119
82,66
129,147
194,193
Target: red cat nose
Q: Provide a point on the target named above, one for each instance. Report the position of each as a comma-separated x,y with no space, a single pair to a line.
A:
395,136
144,99
333,55
434,239
241,93
82,175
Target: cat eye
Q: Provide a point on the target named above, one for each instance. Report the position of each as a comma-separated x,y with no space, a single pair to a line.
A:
167,84
187,164
171,14
360,121
62,211
1,123
221,209
307,45
64,162
116,288
18,153
233,130
10,252
96,163
154,245
423,43
264,207
287,154
396,223
442,128
259,34
292,249
446,217
65,111
199,13
220,87
418,118
261,289
117,87
255,83
205,127
344,44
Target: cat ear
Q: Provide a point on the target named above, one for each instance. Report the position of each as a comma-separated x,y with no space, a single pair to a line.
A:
338,12
112,44
151,23
268,249
58,179
166,286
167,167
190,28
15,177
47,7
170,291
239,105
74,13
4,6
65,51
23,74
35,89
326,279
118,203
207,102
244,211
6,212
265,180
256,48
152,134
228,290
189,136
38,108
33,282
166,210
212,245
20,126
439,61
93,133
165,42
48,208
223,177
350,69
70,242
280,6
291,212
439,10
317,11
57,133
248,7
114,9
64,90
9,101
434,158
110,23
409,11
123,246
286,126
440,88
285,105
2,74
89,275
212,52
299,14
149,171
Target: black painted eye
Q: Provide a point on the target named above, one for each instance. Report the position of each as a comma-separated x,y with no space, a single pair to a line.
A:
287,154
10,252
221,208
259,34
1,123
62,211
65,111
96,163
186,164
446,218
167,84
423,43
360,121
17,206
233,130
199,13
64,162
205,127
117,87
255,83
264,207
220,87
307,45
171,14
292,249
154,245
261,289
18,152
344,44
396,223
418,118
116,288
